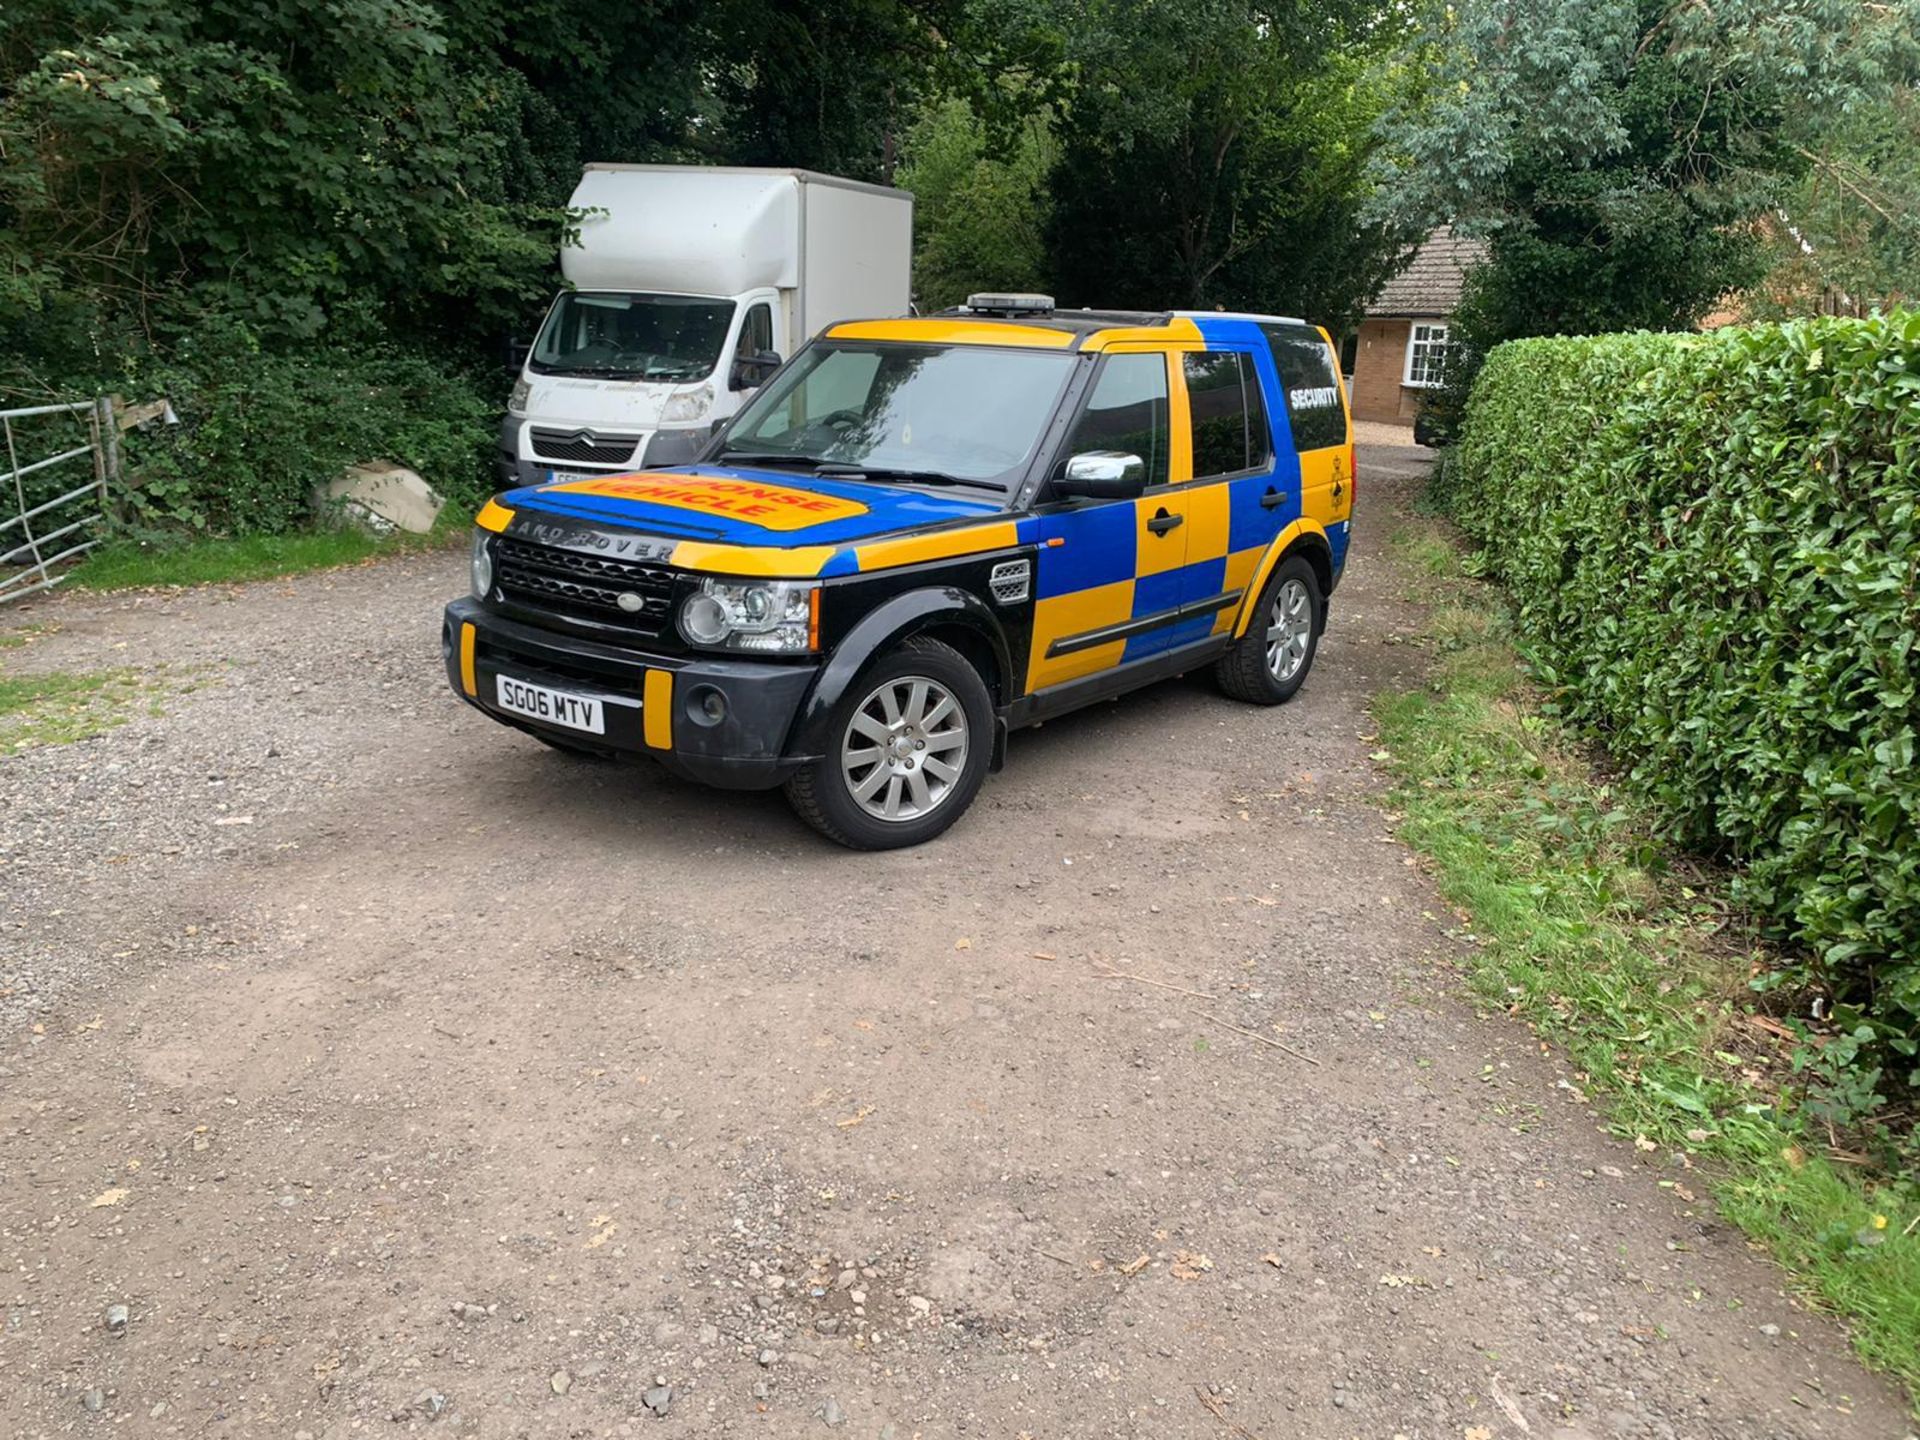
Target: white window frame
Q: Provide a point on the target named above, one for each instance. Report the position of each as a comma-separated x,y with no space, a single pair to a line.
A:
1429,343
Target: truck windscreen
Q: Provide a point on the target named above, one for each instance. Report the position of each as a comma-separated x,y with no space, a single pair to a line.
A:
633,337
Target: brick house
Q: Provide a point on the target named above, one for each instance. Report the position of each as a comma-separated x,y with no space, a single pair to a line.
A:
1403,339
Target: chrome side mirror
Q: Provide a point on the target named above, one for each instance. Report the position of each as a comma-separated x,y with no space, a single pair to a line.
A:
1103,475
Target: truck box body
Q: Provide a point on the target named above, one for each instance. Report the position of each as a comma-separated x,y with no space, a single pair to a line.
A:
678,272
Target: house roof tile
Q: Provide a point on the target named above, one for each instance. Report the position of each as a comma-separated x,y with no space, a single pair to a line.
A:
1431,281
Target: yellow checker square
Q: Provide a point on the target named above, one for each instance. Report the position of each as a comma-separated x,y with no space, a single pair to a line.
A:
1242,567
1156,554
1075,614
1208,507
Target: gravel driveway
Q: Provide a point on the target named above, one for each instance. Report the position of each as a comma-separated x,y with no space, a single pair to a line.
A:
398,1074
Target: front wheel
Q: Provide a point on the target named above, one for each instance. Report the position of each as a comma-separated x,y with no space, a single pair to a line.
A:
1269,664
908,749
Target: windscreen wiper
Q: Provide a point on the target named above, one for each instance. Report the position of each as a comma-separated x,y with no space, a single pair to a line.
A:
766,457
846,470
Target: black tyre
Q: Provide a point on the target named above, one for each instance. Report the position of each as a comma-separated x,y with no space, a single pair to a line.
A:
1269,664
907,750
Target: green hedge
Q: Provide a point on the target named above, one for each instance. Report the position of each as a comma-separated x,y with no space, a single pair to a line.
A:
1713,547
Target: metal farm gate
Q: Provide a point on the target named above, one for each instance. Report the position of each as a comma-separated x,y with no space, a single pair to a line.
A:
41,529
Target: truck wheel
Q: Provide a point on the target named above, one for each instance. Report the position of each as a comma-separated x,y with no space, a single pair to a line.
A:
1269,664
908,748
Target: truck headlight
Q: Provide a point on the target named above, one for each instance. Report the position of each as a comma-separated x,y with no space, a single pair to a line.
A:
687,406
768,617
482,564
517,399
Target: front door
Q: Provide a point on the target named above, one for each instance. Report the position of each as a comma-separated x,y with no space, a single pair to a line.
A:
1109,572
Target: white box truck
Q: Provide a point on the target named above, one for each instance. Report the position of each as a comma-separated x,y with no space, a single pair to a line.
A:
690,285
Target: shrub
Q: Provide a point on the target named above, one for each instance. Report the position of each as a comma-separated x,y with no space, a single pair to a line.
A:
258,430
1713,548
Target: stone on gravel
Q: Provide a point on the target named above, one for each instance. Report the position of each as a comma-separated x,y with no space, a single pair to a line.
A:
561,1382
832,1413
767,1357
117,1318
94,1400
658,1399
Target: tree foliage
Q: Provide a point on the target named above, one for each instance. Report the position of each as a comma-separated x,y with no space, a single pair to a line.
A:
1214,153
980,220
1622,156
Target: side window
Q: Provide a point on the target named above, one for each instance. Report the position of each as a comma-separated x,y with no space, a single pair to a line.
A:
1230,431
756,332
1127,412
1313,389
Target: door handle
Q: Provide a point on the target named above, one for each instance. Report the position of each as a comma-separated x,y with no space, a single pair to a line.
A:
1162,522
1272,500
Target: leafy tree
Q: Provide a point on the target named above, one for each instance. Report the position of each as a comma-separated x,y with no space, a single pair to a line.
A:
979,220
1213,153
1619,155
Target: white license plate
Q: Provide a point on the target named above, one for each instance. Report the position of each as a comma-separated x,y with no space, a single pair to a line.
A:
561,477
556,707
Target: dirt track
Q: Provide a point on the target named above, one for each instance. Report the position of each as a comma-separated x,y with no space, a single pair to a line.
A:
456,1086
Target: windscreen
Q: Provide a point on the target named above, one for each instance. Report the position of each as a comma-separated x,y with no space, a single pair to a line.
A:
970,412
633,337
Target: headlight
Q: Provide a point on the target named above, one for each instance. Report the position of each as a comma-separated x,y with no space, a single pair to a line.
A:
769,617
482,564
517,401
688,405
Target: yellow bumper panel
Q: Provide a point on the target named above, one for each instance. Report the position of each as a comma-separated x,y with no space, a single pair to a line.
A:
656,709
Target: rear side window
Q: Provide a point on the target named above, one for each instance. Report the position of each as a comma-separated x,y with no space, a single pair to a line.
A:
1127,412
1312,388
1229,419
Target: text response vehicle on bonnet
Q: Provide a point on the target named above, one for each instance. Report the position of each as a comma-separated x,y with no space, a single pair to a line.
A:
921,535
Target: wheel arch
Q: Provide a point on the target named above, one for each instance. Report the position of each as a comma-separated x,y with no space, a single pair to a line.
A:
1304,538
945,613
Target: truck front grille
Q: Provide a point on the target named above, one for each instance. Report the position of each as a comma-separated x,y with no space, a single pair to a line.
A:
591,586
584,445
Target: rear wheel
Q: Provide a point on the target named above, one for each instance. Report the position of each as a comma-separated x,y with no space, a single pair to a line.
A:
1269,664
908,749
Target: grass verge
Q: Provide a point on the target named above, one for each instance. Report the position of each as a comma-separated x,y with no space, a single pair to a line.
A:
1583,924
133,564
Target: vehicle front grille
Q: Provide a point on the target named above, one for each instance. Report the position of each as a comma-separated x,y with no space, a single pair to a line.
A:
584,445
587,585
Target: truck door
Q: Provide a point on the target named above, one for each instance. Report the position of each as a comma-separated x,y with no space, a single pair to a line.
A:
1108,572
755,335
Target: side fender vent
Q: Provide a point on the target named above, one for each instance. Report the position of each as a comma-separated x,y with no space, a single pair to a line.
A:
1011,581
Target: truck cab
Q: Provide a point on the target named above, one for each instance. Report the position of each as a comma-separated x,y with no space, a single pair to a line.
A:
688,285
918,537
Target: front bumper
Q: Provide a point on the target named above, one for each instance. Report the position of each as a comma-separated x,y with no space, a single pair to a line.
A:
745,750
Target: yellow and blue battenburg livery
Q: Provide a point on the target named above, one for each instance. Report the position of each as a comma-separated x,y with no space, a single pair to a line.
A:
918,536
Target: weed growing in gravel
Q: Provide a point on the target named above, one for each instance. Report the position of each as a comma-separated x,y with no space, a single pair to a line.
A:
1581,922
59,708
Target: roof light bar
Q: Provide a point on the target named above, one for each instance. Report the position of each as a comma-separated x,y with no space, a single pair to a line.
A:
989,303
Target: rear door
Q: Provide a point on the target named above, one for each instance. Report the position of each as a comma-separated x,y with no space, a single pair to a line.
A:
1234,505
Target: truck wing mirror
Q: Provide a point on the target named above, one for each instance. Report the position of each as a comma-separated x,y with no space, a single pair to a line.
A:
751,371
1103,475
